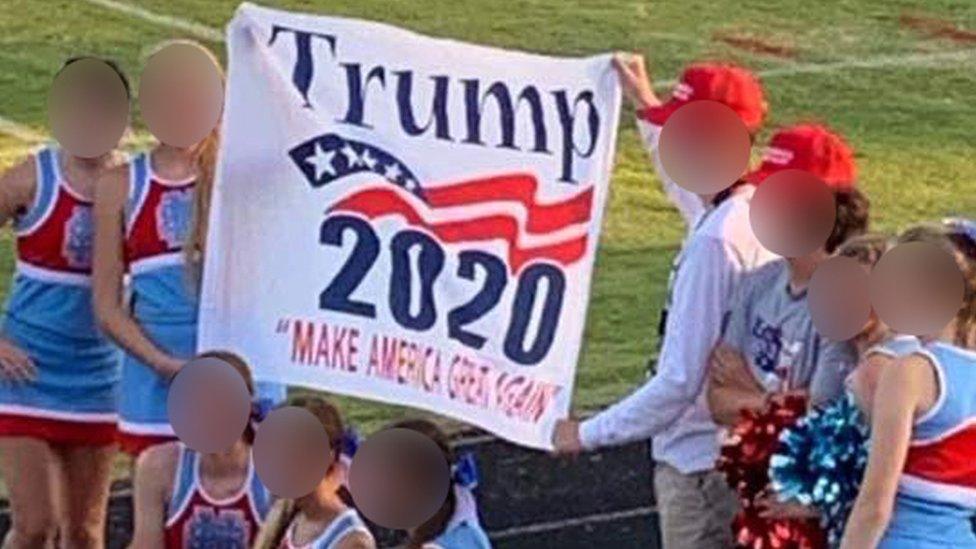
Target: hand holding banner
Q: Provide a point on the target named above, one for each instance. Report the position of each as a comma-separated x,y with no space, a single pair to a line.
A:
408,219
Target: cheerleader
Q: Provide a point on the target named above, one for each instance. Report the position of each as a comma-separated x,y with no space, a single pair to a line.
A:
58,372
919,488
455,525
150,219
321,519
185,499
816,471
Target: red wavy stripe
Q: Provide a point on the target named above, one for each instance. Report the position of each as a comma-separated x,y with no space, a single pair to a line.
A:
542,218
950,460
379,202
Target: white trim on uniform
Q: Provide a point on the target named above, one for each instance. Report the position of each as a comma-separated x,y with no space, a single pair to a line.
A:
43,413
940,379
39,193
937,491
969,423
151,429
49,275
134,187
182,456
147,264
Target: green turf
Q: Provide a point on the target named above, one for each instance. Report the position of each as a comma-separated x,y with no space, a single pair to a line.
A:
911,123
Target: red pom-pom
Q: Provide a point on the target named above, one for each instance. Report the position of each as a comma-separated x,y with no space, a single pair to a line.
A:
755,532
744,459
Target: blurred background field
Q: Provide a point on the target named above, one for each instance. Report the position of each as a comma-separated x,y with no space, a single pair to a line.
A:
898,78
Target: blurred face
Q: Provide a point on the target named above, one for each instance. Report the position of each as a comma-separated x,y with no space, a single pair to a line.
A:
399,478
917,288
88,108
181,94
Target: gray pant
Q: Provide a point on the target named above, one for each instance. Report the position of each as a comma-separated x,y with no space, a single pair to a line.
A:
696,509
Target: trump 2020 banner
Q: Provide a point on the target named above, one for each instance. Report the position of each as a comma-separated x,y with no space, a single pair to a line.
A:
408,219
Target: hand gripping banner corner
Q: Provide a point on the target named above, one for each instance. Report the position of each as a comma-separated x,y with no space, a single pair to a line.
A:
408,219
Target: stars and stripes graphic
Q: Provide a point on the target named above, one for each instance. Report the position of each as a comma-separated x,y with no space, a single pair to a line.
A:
499,207
330,157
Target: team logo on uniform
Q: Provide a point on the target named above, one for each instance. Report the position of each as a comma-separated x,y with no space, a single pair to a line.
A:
227,529
78,232
767,345
770,352
173,216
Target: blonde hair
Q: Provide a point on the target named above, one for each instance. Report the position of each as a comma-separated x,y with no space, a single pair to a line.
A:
866,248
276,524
940,235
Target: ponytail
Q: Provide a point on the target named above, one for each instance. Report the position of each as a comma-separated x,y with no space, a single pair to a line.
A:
276,524
195,244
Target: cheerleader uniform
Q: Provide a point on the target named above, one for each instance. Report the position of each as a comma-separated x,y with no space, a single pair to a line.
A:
194,519
820,461
937,490
346,523
892,348
49,315
157,221
157,218
464,530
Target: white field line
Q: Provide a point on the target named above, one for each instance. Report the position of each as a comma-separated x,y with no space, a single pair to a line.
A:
214,35
197,30
568,523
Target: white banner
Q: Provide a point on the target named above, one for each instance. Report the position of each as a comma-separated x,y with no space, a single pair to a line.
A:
408,219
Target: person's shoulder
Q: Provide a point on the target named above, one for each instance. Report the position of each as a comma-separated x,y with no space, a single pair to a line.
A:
766,275
159,461
20,180
729,220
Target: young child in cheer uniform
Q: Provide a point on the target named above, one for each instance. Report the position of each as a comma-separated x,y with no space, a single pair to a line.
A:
817,469
187,500
455,525
151,220
321,519
919,488
60,374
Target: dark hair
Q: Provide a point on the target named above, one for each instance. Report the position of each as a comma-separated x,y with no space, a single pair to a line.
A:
111,64
436,525
852,209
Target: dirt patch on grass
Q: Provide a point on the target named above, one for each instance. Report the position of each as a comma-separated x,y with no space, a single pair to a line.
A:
754,44
937,27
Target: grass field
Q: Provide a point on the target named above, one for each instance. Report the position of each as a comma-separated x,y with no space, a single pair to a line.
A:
897,77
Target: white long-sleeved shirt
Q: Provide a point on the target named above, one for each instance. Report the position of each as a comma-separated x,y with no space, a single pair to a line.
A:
671,407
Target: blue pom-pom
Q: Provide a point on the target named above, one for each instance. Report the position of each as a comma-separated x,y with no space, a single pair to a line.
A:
821,460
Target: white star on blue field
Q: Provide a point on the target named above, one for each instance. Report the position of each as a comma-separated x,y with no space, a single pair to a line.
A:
330,157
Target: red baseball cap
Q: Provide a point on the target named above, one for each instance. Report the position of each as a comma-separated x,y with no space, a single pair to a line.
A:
731,85
809,147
